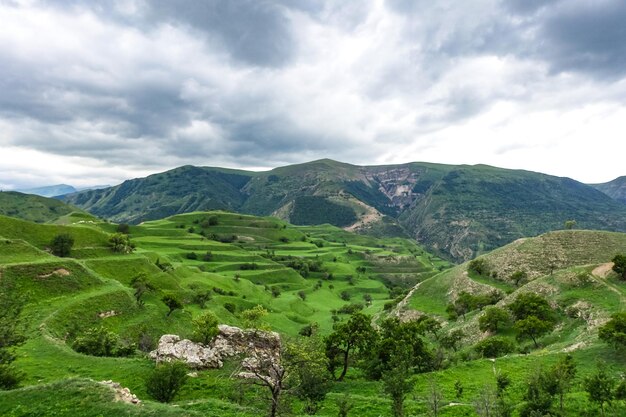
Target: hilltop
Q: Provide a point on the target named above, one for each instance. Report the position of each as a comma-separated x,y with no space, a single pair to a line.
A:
455,211
35,208
615,189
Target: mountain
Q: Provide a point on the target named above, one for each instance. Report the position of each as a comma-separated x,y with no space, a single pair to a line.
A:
456,211
33,207
50,190
615,189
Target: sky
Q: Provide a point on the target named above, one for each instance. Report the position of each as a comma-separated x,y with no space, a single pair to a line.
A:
96,92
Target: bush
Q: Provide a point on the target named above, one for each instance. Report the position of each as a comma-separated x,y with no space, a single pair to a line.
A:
98,341
249,266
123,228
230,307
350,308
478,266
121,243
205,328
494,347
345,295
9,377
191,255
61,245
166,380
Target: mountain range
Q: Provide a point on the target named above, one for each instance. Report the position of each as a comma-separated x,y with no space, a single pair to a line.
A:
457,211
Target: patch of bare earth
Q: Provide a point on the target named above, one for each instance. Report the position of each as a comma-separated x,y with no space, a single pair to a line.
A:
62,272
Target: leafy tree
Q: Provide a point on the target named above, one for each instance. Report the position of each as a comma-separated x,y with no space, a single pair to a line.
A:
494,347
302,295
353,336
61,245
599,387
428,324
309,330
166,380
252,316
123,228
531,304
172,303
519,277
98,341
396,378
570,224
539,394
141,286
11,335
345,295
479,266
201,298
308,368
563,374
452,339
492,318
205,328
532,327
614,331
619,265
275,291
119,242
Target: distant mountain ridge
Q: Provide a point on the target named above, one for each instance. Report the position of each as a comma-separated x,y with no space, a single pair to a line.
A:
32,207
457,211
57,190
615,189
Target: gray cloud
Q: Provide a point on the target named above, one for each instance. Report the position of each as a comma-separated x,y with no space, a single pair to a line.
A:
155,84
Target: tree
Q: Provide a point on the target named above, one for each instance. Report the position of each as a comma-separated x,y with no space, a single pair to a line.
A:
435,398
172,303
539,395
452,339
563,374
11,335
123,228
532,327
61,245
205,328
619,265
396,378
252,316
166,380
308,366
478,266
142,286
302,295
531,304
518,277
98,341
120,242
614,331
494,347
492,318
599,387
570,224
353,336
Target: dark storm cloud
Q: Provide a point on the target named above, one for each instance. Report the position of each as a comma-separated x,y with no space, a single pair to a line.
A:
587,37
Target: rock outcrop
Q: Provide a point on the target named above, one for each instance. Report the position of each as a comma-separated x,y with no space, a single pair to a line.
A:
122,394
231,341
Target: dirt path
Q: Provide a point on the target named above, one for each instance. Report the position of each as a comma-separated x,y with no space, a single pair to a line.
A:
600,273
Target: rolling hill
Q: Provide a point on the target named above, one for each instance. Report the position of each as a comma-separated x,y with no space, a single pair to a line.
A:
456,211
34,208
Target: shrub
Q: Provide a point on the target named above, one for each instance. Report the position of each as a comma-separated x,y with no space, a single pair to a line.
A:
205,328
494,347
345,295
479,266
166,380
123,228
9,377
350,308
98,341
230,307
249,266
191,255
121,243
61,245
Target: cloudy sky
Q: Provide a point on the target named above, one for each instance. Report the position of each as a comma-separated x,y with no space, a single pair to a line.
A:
96,91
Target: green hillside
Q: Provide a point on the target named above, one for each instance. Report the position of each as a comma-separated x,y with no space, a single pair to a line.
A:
615,189
456,211
299,275
33,207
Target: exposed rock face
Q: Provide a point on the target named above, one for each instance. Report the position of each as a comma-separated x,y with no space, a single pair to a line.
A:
231,341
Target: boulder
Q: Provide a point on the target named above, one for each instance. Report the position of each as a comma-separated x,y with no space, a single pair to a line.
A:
231,341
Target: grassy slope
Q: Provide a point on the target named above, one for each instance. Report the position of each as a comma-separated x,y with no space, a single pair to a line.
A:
68,295
32,207
572,287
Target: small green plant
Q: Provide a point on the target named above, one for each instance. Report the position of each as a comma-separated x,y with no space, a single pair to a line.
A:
98,341
205,328
166,380
61,245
